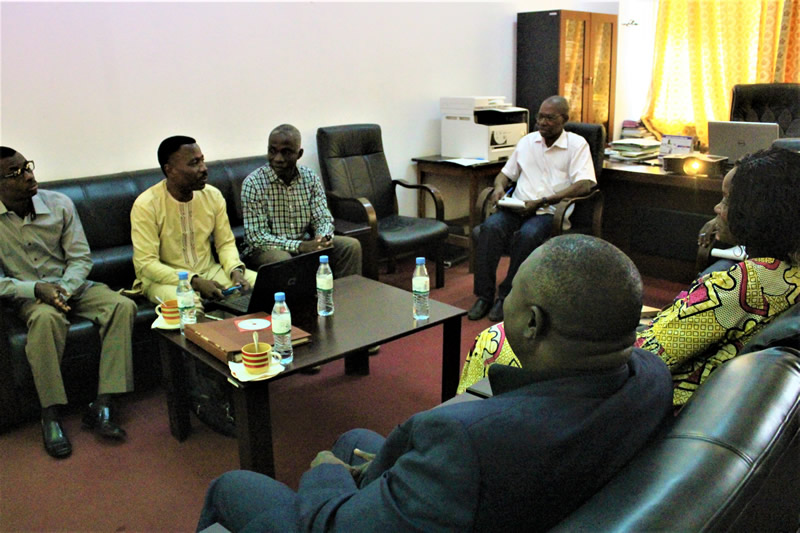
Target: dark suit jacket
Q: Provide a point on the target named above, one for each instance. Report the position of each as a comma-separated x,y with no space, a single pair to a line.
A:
519,461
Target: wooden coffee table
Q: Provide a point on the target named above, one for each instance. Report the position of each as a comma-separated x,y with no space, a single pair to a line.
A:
367,313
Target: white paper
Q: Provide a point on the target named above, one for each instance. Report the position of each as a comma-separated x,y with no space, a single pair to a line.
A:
507,201
465,162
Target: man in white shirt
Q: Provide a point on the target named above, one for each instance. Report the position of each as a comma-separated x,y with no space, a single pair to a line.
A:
546,166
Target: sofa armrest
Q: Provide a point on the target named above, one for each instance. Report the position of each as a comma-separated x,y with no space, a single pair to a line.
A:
730,460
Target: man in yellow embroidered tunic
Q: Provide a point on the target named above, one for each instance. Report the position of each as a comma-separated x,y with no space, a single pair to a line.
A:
172,223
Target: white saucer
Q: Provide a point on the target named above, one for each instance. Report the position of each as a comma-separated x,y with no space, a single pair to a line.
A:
161,324
253,324
239,372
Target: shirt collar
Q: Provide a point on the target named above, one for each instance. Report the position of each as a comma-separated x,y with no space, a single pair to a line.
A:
599,383
39,207
561,142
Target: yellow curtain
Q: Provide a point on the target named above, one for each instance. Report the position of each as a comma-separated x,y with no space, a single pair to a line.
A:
705,47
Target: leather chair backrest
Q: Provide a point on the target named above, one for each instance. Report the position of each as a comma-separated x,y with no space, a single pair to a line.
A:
353,164
783,331
768,102
730,461
595,135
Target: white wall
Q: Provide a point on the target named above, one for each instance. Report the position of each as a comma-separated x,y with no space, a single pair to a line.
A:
92,88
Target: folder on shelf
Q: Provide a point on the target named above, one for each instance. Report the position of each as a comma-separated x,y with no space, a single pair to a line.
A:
224,338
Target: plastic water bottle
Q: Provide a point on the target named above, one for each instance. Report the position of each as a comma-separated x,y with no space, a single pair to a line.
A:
185,296
421,287
282,329
324,287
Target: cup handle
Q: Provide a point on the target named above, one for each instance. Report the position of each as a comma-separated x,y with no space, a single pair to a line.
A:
158,309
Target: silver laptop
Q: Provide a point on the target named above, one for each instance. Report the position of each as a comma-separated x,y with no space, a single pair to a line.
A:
735,139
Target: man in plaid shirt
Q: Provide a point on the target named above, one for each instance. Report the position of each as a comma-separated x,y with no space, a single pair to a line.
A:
286,212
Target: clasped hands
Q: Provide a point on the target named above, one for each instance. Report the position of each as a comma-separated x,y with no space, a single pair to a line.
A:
52,294
208,288
319,243
327,457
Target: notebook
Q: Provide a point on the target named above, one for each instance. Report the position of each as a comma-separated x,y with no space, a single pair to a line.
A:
296,277
734,139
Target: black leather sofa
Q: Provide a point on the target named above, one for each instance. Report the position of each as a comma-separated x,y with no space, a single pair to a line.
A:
104,204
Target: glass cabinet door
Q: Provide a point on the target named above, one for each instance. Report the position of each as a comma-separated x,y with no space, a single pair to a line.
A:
573,65
600,89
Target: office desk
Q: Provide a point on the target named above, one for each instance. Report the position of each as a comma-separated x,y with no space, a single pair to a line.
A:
655,217
479,176
367,313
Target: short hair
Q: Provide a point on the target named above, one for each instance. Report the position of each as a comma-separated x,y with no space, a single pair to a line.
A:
288,130
589,287
169,146
5,152
561,103
764,204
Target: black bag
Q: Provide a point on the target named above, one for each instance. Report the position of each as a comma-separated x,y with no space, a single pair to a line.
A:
210,397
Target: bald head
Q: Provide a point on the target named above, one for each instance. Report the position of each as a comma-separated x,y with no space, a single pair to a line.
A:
560,104
579,292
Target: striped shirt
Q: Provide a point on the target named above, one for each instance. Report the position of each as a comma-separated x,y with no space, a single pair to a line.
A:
280,216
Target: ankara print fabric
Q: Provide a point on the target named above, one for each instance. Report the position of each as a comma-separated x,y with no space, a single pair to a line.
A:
710,323
490,347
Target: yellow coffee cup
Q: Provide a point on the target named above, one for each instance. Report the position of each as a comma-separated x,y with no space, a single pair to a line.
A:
256,361
169,312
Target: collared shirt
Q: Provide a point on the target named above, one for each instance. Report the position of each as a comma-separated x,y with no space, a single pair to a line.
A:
48,245
169,236
540,170
280,216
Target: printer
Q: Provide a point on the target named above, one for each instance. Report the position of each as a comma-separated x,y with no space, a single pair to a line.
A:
481,127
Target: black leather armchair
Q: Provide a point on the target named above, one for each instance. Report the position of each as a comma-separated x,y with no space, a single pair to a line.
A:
360,190
587,216
768,102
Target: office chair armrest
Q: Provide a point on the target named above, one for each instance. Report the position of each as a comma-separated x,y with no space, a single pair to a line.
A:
483,205
358,210
433,191
593,201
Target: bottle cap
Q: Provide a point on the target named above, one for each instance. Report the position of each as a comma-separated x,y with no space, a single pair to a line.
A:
280,296
323,259
182,274
420,260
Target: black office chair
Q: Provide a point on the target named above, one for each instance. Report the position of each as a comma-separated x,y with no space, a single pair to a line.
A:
768,102
587,216
360,189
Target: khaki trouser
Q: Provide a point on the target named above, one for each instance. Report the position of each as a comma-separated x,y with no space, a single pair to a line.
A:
345,257
112,313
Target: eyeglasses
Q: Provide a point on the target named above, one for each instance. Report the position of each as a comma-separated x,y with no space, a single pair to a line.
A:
546,118
28,166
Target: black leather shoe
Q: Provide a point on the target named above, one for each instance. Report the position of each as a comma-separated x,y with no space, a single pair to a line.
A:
98,418
496,314
56,442
479,309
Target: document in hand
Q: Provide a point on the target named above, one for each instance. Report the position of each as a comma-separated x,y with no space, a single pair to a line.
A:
512,203
224,338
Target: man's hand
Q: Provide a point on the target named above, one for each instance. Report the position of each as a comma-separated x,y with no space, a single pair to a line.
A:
531,206
497,194
327,457
312,245
52,294
237,276
208,288
708,233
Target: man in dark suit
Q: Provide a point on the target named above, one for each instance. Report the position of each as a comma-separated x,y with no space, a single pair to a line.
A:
555,431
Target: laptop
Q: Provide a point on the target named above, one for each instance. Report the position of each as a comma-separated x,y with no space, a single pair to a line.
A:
734,139
295,276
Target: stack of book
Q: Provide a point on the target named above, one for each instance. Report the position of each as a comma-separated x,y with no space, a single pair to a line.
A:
634,129
633,150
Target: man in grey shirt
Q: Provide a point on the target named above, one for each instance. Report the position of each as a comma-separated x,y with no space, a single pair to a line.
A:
44,262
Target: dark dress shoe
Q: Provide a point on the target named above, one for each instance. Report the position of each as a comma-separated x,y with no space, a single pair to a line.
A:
56,442
479,309
98,418
496,314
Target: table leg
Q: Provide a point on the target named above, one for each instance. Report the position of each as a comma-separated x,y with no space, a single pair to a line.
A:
254,428
420,193
451,356
357,364
174,380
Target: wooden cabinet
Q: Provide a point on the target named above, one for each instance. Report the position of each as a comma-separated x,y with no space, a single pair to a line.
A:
570,53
